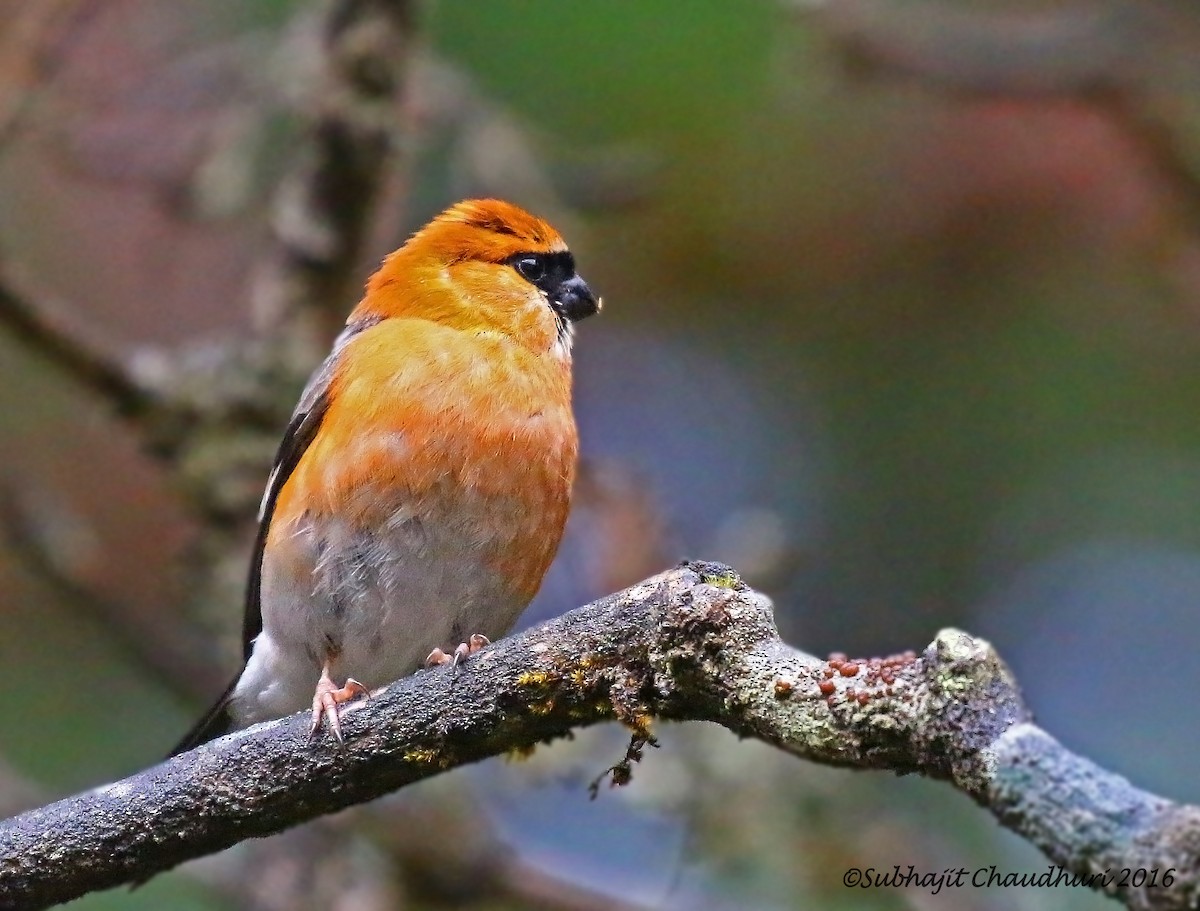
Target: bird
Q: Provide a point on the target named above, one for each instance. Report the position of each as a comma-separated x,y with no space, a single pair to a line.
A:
422,486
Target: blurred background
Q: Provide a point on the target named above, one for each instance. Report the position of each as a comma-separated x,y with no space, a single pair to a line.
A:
902,320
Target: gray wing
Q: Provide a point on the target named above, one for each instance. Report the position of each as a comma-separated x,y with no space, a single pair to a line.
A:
296,439
306,421
218,720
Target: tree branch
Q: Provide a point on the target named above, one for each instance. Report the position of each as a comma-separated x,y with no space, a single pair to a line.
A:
164,650
362,50
34,323
691,644
1135,57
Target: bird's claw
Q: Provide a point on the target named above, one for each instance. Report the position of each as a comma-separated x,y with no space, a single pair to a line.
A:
462,652
326,701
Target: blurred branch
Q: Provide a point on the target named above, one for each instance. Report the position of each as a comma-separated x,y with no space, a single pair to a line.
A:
216,401
33,322
362,50
455,859
537,890
691,644
1136,57
1071,50
212,412
29,54
440,848
34,528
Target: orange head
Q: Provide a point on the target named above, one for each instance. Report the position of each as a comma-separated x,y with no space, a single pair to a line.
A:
484,265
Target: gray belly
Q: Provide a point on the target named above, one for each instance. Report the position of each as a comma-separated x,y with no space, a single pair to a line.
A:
376,605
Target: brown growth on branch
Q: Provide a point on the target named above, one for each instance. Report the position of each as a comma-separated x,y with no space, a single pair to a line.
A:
691,644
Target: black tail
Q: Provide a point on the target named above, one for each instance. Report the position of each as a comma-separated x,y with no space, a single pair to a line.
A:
217,721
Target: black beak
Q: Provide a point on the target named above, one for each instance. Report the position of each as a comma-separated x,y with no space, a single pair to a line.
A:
574,300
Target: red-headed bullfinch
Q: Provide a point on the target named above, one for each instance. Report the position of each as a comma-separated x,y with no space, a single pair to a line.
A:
421,489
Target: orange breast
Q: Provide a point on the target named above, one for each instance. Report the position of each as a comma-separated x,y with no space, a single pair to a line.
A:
446,426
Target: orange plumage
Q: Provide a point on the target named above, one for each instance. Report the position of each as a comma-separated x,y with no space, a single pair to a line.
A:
422,487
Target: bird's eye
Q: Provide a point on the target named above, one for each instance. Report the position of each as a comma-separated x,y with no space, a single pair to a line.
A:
530,268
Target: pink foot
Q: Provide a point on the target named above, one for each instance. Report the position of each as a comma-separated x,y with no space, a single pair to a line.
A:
461,653
328,698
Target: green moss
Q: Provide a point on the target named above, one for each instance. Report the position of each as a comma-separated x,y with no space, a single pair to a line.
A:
718,574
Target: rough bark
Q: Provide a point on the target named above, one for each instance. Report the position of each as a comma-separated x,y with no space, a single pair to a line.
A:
691,644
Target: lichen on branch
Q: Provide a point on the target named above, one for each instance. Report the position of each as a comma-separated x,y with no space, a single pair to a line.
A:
694,643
